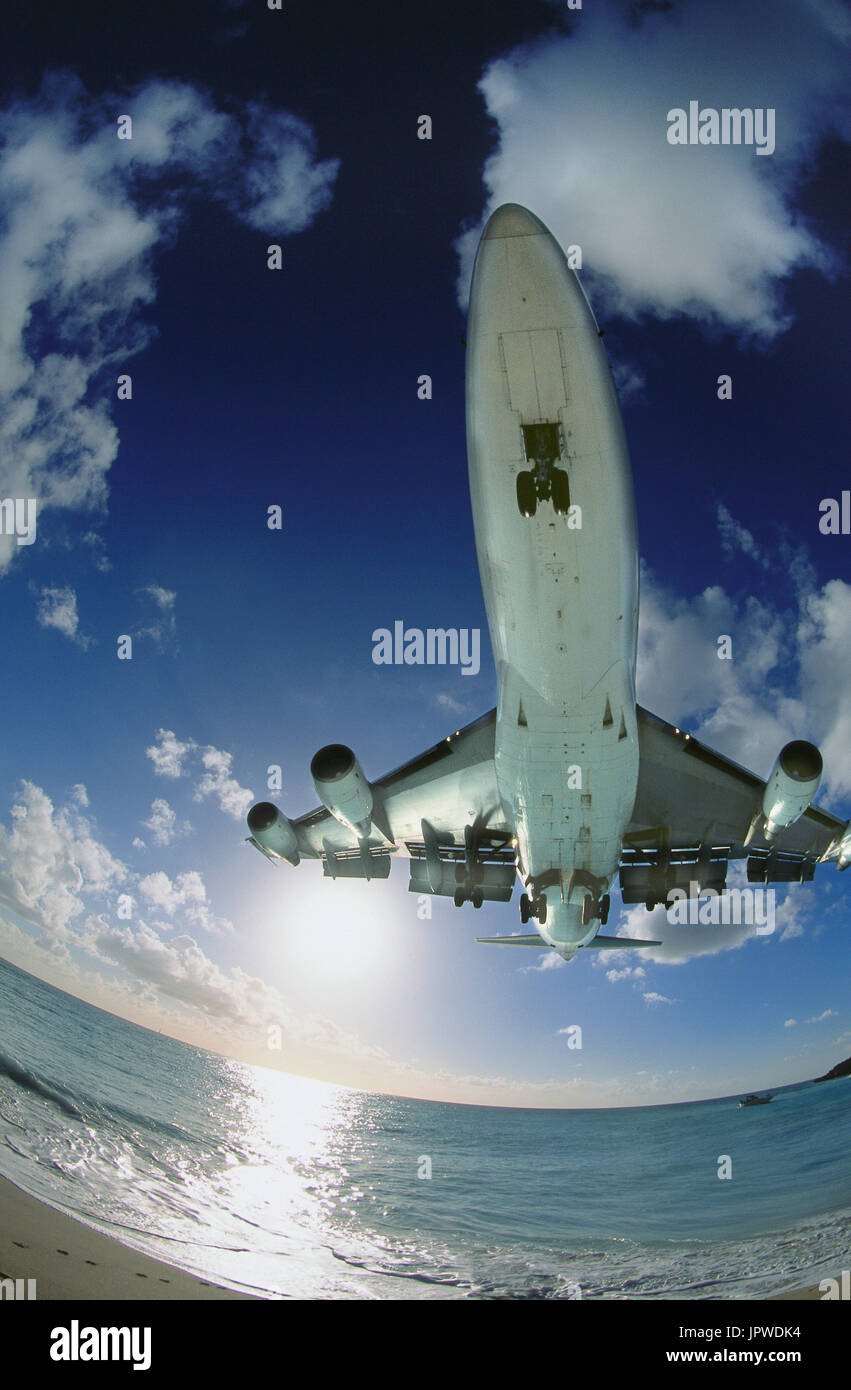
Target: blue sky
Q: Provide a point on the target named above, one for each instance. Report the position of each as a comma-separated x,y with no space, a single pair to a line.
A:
297,387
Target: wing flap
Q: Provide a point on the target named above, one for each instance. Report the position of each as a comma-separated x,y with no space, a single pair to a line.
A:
690,796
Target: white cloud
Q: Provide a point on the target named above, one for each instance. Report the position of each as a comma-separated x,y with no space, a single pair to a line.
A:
218,782
629,381
793,916
448,702
162,626
57,608
790,1023
601,173
186,894
629,972
167,753
549,960
651,997
735,537
824,645
83,215
786,679
819,1018
51,862
163,823
180,969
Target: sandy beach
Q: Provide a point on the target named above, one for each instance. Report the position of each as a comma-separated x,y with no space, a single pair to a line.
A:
69,1260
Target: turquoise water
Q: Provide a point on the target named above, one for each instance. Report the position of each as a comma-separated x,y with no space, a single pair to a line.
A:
299,1188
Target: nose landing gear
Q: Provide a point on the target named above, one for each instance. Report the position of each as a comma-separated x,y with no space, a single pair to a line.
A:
544,481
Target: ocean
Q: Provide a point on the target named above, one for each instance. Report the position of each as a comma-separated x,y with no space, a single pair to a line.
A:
276,1184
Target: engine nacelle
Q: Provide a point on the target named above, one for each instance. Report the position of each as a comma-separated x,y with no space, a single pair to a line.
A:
792,786
342,787
274,834
844,858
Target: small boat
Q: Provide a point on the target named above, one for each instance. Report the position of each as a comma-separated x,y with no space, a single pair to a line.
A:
754,1100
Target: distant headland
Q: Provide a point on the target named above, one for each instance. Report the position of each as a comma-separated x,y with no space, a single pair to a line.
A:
841,1069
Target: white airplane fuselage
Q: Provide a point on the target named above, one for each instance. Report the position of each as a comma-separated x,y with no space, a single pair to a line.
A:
560,585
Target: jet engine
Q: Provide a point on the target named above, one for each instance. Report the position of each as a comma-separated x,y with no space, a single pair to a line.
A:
791,787
272,833
342,788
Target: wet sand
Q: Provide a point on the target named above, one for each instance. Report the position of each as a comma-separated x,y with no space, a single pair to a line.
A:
69,1260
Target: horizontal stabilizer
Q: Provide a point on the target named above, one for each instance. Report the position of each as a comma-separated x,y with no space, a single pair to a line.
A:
619,943
534,942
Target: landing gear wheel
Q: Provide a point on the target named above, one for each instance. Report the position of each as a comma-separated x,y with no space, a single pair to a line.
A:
525,908
541,905
527,498
588,912
605,903
460,897
478,897
650,904
561,491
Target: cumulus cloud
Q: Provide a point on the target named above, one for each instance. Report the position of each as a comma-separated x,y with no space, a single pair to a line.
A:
180,969
217,781
602,175
164,824
787,676
169,756
57,608
629,972
790,1023
651,997
827,1013
51,862
186,894
83,215
167,753
549,960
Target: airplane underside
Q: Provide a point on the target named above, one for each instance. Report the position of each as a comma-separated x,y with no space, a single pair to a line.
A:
568,783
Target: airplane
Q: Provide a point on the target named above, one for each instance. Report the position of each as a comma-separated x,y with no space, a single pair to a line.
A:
567,783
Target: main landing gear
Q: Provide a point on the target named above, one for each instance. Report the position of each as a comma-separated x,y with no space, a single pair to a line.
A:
592,908
469,888
536,909
470,873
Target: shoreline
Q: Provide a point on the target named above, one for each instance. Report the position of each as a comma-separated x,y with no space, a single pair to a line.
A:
71,1261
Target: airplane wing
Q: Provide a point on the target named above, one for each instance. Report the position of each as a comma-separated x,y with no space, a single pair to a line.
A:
696,810
442,810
